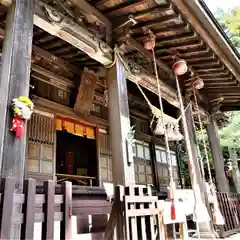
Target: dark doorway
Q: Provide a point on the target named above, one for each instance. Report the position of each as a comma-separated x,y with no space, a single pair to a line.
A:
76,155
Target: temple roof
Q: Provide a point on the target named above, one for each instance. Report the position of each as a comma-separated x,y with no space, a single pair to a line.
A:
181,27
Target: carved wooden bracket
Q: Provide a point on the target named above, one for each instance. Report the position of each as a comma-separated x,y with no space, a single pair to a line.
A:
57,24
147,80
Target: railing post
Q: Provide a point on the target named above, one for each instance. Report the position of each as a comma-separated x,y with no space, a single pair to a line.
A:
29,190
66,224
6,208
48,209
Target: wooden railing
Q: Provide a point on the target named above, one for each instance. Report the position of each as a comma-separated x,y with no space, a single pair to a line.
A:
230,209
27,208
37,208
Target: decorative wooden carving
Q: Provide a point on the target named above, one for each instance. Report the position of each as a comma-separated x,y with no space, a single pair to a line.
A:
86,91
57,24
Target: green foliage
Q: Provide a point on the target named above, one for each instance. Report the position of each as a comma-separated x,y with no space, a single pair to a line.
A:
230,23
230,135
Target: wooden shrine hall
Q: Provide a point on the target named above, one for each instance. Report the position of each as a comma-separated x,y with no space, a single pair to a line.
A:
96,86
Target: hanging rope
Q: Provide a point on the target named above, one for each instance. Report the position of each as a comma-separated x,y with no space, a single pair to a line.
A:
163,122
217,215
170,172
172,123
203,138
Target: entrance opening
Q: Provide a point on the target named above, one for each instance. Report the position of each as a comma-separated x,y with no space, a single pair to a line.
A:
76,159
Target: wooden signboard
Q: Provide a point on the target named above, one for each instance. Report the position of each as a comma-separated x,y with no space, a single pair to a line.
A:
86,91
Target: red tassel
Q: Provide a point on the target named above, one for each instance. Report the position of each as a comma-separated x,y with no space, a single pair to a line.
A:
173,211
17,126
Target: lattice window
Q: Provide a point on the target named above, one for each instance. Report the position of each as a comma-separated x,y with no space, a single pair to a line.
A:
142,163
105,158
41,144
162,166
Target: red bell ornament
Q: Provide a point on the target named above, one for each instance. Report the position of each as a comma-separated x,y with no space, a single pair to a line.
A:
149,42
198,84
180,67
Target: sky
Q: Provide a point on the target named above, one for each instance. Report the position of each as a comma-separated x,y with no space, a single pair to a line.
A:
225,4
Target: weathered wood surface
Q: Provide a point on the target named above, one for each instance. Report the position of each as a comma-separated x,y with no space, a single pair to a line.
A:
147,80
59,25
230,209
86,91
29,189
16,76
214,140
119,119
7,200
139,47
191,12
46,209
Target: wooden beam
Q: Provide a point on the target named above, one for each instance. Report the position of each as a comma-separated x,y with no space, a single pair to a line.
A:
93,15
119,120
148,81
214,75
180,46
209,77
204,65
190,54
178,38
137,46
221,88
137,15
208,61
55,60
162,20
218,80
57,24
56,108
51,58
172,30
15,80
196,16
211,70
232,107
54,79
233,97
119,10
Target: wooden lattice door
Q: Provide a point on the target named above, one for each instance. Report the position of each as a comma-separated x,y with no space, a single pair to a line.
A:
105,158
41,146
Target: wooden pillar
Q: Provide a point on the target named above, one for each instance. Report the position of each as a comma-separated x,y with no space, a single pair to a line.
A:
154,163
180,174
235,168
218,160
206,229
14,82
193,140
119,119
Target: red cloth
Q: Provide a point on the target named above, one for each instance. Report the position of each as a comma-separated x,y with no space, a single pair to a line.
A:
17,126
173,211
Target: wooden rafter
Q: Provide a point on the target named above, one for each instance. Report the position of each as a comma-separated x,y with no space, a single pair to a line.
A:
151,23
63,27
188,8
